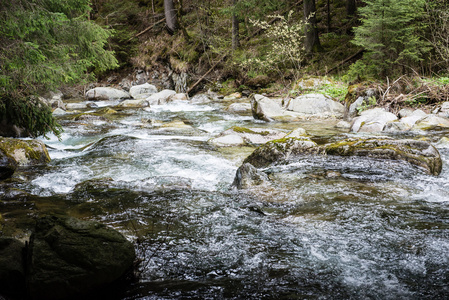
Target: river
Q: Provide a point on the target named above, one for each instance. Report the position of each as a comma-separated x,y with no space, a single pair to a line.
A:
325,229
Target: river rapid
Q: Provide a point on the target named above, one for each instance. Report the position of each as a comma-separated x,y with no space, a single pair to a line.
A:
325,229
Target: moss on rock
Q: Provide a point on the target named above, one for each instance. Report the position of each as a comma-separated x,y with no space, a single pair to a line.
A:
25,152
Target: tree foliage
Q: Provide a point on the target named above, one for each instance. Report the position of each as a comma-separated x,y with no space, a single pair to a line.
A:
43,44
392,34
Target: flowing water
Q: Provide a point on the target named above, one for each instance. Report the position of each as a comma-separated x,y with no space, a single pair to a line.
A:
324,229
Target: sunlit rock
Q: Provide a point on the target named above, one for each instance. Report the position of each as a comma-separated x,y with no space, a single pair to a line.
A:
142,91
418,153
69,257
161,97
266,109
317,105
134,103
240,108
297,133
106,93
431,122
248,176
230,140
25,152
372,120
251,136
201,99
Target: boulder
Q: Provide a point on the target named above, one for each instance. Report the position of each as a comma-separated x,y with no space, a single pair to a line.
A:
405,112
12,273
179,97
419,153
106,93
7,165
68,257
59,112
317,105
76,105
161,97
142,91
25,152
240,108
254,136
134,103
248,176
297,133
230,140
411,119
201,99
372,120
279,151
431,122
265,109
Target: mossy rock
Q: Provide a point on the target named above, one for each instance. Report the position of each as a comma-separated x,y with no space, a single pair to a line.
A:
7,165
25,152
279,151
418,153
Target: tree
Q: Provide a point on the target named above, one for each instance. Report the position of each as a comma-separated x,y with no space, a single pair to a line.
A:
171,17
235,27
43,44
391,32
312,41
351,7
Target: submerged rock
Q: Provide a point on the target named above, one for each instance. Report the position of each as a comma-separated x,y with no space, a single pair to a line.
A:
12,272
69,257
24,152
106,93
248,176
418,153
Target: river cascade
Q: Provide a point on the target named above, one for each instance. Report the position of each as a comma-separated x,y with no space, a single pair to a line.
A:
320,227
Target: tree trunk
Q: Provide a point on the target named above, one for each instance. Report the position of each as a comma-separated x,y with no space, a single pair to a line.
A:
312,42
170,16
351,7
235,28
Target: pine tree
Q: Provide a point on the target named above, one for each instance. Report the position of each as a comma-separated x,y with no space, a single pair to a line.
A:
43,44
391,32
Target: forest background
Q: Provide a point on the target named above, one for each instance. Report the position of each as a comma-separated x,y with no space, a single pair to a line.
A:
399,46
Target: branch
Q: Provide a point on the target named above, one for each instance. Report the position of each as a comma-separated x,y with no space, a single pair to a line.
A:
148,28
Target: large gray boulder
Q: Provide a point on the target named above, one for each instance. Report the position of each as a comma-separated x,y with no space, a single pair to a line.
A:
142,91
317,105
69,257
431,122
12,272
266,109
372,120
161,97
106,93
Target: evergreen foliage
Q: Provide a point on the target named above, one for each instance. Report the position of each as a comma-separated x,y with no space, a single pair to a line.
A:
392,33
43,44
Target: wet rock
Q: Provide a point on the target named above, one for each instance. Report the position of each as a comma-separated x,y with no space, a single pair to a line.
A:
396,126
232,96
165,183
343,125
279,151
372,120
419,153
248,176
7,165
161,97
59,112
201,99
178,97
431,122
231,140
265,109
134,103
317,105
142,91
70,257
253,136
25,152
12,273
297,133
411,119
76,106
106,93
240,108
90,117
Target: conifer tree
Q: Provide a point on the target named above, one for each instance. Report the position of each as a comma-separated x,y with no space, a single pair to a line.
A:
391,32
